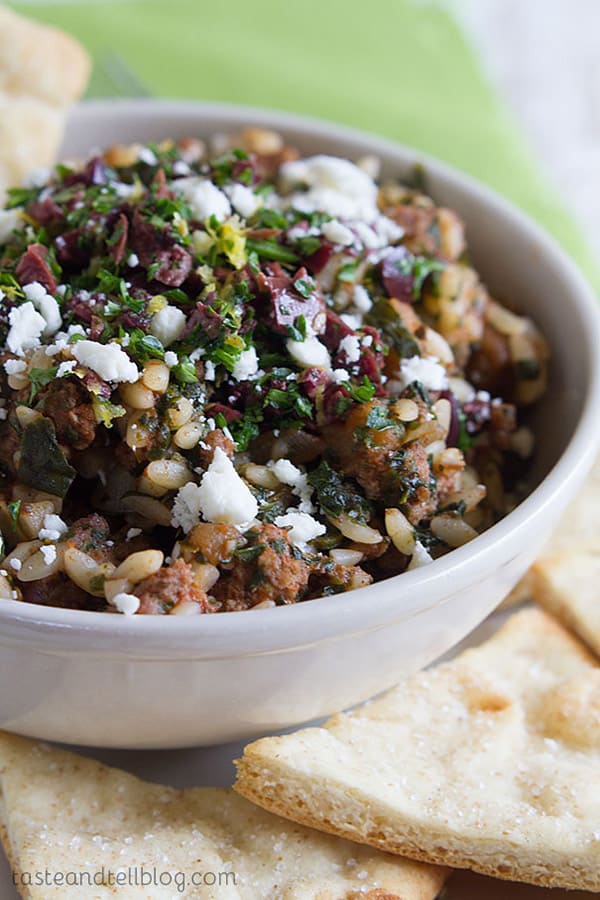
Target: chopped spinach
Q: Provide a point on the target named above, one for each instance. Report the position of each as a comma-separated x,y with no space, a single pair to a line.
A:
336,497
43,464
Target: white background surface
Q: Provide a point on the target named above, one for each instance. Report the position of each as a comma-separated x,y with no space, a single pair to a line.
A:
544,56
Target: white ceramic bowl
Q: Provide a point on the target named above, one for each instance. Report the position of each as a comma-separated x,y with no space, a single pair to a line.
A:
148,681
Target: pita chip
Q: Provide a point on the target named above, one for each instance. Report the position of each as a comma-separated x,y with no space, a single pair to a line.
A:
42,71
489,762
565,580
61,813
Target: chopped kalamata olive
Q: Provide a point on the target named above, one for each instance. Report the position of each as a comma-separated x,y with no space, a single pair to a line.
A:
33,266
397,282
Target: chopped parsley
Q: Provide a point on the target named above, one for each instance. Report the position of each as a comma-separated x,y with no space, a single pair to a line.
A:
14,508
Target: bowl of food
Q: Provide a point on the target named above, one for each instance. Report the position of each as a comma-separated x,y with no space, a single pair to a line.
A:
286,411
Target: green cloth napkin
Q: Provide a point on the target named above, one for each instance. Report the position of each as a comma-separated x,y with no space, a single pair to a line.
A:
395,67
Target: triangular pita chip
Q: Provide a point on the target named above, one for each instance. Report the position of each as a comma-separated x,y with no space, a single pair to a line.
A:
489,762
567,583
63,813
42,71
37,60
565,580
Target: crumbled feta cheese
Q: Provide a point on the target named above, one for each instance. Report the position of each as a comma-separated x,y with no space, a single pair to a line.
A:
243,199
223,495
167,324
197,354
337,233
171,359
340,376
65,367
387,230
123,190
350,345
426,369
335,186
128,604
146,155
26,328
246,366
351,320
180,167
287,473
367,341
420,557
3,410
361,299
209,370
204,198
61,340
133,533
109,361
52,528
301,231
303,528
133,260
49,553
16,564
310,352
367,236
46,305
14,366
9,220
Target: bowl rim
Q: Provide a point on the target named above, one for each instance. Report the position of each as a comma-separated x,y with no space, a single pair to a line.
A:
246,632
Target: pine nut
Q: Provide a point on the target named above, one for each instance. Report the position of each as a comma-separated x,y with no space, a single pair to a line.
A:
167,473
188,435
137,395
156,376
140,565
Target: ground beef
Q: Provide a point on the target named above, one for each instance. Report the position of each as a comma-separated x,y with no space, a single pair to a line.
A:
171,585
90,535
386,467
275,575
334,578
59,590
67,402
207,447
